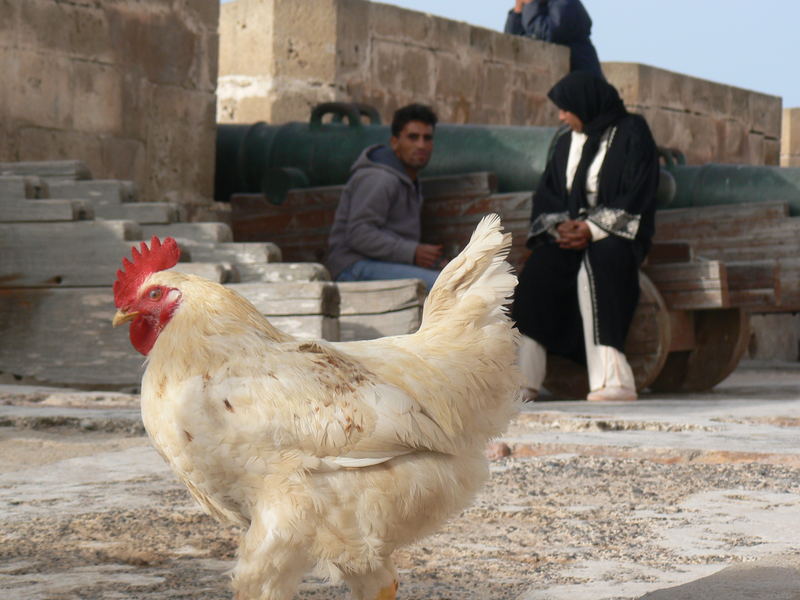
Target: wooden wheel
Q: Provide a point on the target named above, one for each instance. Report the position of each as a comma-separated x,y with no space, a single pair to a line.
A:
720,341
646,348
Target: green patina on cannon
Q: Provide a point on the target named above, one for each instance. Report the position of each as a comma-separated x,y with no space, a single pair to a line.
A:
271,159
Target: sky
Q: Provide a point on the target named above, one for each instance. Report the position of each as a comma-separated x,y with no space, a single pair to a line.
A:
753,44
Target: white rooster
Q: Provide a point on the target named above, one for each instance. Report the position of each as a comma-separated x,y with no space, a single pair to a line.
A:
329,455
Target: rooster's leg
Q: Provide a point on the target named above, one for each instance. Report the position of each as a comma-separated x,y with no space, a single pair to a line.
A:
272,560
375,585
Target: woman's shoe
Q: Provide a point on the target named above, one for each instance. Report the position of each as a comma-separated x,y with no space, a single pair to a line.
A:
612,394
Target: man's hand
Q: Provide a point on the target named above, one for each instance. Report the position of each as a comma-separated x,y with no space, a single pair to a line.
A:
574,235
427,255
519,4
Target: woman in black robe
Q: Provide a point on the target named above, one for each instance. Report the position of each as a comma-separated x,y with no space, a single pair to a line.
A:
591,227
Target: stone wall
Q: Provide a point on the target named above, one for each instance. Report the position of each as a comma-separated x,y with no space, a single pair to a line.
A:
708,121
278,59
790,138
125,85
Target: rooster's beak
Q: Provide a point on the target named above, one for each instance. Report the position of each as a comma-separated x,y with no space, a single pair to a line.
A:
123,317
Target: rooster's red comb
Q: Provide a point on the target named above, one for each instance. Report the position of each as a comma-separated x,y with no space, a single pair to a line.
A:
157,257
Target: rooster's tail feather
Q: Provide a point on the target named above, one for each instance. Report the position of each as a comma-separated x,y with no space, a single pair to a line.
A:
468,334
477,283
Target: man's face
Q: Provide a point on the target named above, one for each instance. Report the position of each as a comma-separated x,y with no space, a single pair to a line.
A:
414,145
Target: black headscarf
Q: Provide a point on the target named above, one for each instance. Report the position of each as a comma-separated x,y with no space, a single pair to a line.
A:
598,105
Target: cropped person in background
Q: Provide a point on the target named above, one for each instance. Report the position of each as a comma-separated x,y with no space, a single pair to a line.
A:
591,227
563,22
376,229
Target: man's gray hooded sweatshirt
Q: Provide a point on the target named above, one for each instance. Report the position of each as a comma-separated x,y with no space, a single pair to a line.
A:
378,216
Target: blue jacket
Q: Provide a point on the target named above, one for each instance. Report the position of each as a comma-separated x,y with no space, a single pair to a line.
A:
563,22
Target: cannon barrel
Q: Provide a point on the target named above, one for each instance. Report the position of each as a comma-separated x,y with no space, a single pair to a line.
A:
271,159
735,184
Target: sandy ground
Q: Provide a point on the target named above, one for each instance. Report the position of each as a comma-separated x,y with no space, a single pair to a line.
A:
596,502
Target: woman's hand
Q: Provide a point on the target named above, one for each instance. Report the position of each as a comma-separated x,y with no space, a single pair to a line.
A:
573,235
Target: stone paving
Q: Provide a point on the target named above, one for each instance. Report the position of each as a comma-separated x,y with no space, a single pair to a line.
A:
663,499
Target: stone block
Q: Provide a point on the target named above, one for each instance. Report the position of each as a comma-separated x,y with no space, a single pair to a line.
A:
394,23
97,92
455,78
765,114
352,39
495,87
304,38
772,152
156,44
790,133
44,90
66,29
246,35
756,149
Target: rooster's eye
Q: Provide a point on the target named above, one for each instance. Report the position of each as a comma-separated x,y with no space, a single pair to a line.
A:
155,294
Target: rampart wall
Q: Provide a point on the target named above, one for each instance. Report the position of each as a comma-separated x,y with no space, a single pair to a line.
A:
125,85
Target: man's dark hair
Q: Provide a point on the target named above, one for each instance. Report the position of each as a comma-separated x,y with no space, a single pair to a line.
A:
412,112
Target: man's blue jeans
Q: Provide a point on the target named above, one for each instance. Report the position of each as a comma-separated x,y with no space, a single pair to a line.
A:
373,270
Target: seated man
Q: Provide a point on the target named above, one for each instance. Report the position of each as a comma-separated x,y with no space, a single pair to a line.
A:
376,229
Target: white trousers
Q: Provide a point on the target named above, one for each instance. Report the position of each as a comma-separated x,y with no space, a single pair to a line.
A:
607,366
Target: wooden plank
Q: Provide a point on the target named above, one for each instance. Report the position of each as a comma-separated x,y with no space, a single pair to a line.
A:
375,297
99,191
682,329
145,213
773,211
277,272
216,272
459,185
308,327
327,196
22,211
196,232
696,300
64,336
50,169
233,252
34,324
701,270
78,253
371,326
21,186
292,298
71,263
670,252
753,274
